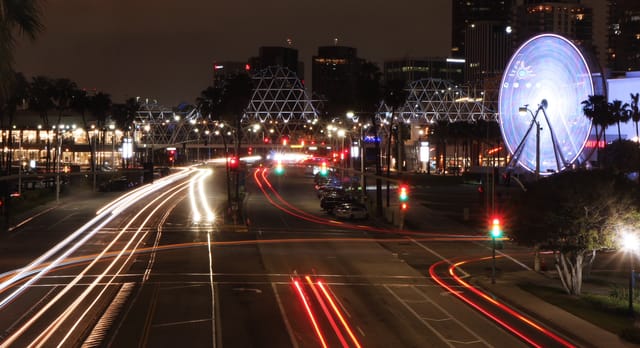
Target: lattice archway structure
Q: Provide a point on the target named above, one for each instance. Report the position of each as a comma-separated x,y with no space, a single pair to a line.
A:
280,103
433,100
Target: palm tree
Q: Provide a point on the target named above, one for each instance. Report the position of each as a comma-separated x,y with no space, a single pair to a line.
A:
16,96
635,113
41,92
394,96
596,108
620,113
99,105
235,99
209,101
63,92
16,17
80,103
369,93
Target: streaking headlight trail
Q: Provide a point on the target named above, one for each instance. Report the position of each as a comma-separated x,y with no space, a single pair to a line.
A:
199,204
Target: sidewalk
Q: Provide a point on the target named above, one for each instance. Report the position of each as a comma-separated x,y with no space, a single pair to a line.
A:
506,289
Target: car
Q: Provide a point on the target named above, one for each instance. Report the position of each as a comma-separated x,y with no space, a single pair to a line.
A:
351,211
328,202
116,184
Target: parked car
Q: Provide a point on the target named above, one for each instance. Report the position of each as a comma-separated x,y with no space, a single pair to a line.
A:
351,211
116,184
329,201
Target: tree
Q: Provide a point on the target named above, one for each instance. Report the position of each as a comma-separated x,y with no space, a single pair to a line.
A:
41,93
635,113
622,156
394,96
574,214
596,109
17,17
619,112
236,96
63,93
99,105
369,94
17,94
209,100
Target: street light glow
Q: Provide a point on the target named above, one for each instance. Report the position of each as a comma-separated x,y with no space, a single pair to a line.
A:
629,241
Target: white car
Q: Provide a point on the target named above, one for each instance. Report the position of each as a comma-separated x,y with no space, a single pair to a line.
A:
350,211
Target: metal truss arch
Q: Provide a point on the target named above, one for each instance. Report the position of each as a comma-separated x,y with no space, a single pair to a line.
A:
433,100
280,102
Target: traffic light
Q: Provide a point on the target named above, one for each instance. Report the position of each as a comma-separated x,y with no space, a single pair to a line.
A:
496,228
279,168
403,193
323,169
233,163
404,206
172,155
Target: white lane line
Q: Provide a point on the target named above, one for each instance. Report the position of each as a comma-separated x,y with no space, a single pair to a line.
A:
437,255
479,339
415,314
287,324
508,257
213,294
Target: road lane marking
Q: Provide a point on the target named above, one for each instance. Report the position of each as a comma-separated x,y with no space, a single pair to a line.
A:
425,323
437,255
287,324
213,294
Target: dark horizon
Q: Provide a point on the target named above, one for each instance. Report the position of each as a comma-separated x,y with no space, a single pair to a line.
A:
165,51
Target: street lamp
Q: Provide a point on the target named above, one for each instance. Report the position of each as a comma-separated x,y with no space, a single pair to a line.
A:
630,243
523,111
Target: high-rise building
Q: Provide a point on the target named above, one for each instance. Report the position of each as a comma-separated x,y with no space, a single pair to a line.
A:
466,12
489,45
568,18
285,57
225,70
482,37
334,77
413,69
624,36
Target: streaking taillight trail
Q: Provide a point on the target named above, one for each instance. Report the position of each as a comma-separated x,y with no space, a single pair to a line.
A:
333,317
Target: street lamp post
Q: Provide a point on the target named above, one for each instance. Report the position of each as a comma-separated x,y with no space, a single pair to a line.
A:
630,244
523,110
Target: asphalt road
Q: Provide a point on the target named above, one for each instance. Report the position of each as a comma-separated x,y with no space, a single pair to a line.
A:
296,278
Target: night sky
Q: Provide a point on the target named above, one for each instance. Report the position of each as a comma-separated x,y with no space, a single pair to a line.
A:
164,49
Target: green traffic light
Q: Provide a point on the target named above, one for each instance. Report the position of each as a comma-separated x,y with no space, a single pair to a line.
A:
496,229
404,196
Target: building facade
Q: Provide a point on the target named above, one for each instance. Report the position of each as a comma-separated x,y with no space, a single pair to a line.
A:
624,37
285,57
335,71
413,69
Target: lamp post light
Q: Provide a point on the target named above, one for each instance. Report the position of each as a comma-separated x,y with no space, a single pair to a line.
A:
523,111
112,127
630,244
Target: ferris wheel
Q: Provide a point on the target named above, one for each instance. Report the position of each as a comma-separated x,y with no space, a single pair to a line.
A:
540,108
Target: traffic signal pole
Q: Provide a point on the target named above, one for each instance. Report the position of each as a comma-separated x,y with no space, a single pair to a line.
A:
493,263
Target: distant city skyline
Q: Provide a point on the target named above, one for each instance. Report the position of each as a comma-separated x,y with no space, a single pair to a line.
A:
165,50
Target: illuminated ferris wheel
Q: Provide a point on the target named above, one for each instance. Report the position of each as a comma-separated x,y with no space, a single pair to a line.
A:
541,116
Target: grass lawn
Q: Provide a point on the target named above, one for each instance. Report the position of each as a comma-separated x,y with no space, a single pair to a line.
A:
601,310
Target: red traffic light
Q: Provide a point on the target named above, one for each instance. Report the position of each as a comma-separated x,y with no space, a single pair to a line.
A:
233,162
404,206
